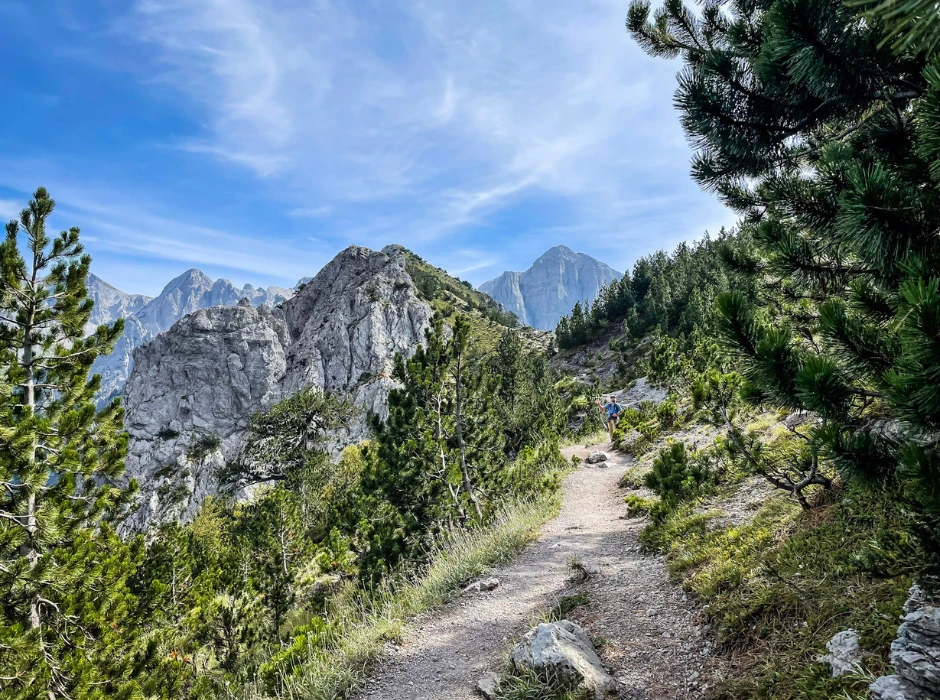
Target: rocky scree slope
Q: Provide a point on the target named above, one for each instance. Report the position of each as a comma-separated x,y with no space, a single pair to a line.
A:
194,388
145,318
549,289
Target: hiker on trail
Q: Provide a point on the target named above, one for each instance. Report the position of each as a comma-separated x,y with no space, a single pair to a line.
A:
613,409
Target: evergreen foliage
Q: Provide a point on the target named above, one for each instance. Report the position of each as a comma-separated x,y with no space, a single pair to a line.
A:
824,137
248,591
434,284
672,294
443,455
66,608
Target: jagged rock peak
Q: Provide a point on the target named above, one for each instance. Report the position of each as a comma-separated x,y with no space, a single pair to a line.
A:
145,318
549,289
193,277
110,303
200,382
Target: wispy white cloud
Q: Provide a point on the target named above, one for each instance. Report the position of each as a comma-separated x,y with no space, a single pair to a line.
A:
111,226
479,133
428,117
10,209
310,212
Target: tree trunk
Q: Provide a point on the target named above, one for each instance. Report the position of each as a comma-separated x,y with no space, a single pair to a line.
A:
460,443
32,525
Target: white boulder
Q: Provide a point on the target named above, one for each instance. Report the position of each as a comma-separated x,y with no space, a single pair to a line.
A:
561,652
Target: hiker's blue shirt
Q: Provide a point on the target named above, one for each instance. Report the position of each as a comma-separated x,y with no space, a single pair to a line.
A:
612,410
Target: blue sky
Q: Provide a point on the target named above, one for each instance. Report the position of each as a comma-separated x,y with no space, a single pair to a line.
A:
256,138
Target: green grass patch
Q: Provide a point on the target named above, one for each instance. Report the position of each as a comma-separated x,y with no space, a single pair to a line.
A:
633,478
336,665
528,685
779,587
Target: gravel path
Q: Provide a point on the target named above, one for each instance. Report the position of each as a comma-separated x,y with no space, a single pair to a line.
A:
652,642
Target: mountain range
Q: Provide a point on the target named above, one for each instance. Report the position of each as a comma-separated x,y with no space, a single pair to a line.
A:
146,317
540,296
198,360
549,289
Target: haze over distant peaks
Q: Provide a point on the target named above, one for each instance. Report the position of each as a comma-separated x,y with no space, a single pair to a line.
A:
144,318
549,289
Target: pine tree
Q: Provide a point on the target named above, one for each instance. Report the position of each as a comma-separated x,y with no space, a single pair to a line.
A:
274,530
436,458
825,138
578,324
63,571
286,443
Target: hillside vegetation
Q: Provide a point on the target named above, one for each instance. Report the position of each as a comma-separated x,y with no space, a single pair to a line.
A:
305,579
803,346
791,478
815,359
451,297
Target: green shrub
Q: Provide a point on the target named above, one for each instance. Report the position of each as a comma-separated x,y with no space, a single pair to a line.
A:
536,470
202,446
580,403
677,475
667,413
629,418
636,440
637,505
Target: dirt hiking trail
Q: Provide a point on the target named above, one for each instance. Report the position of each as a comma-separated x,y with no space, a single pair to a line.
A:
649,633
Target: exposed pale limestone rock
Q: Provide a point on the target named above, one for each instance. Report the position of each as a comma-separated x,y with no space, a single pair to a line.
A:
199,383
145,318
844,654
562,652
915,654
549,289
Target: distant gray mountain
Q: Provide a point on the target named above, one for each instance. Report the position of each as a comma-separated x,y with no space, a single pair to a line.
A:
110,303
145,318
549,289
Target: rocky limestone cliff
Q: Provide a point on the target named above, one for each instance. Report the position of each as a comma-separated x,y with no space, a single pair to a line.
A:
110,303
145,318
549,289
194,388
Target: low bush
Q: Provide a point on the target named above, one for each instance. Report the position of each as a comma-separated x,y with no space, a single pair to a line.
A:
637,440
667,413
202,446
536,470
637,505
633,478
679,475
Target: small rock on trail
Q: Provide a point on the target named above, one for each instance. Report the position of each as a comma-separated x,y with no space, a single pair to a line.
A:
485,584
